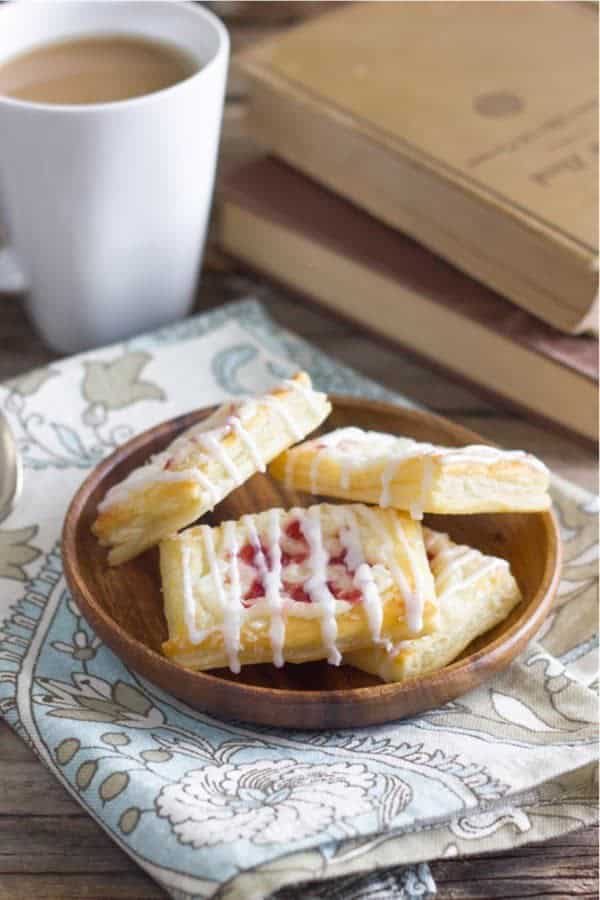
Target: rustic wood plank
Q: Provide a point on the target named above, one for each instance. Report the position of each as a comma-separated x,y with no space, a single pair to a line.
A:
130,885
517,889
27,789
59,843
562,868
12,748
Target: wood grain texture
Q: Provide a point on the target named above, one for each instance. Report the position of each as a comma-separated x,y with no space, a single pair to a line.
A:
124,604
560,869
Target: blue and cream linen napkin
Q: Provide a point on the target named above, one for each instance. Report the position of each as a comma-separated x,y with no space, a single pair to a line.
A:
233,811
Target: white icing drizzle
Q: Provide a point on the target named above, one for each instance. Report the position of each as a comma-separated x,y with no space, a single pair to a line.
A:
433,540
249,443
411,451
449,559
418,507
189,604
310,396
386,477
346,466
446,556
376,444
395,649
351,433
213,446
392,452
232,611
154,471
484,454
207,434
207,484
461,584
414,601
279,405
230,626
316,585
271,579
314,470
273,588
247,410
448,562
446,550
178,448
363,575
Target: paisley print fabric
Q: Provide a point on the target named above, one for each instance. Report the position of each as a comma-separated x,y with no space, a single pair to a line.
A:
234,811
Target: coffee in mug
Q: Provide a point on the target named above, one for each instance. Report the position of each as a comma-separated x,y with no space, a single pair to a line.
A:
95,69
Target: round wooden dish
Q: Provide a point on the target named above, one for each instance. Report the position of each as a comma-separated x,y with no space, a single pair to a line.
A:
124,604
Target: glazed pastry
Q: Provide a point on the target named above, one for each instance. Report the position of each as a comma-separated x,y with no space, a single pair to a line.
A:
203,465
475,593
297,585
372,467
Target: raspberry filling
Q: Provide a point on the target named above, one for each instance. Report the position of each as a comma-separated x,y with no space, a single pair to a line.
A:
296,550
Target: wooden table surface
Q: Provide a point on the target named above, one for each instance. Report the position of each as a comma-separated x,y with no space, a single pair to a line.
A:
49,848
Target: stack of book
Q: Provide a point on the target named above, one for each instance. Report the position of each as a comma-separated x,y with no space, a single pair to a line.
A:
443,190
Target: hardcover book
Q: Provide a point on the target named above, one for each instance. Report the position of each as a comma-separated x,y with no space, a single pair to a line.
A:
472,127
293,229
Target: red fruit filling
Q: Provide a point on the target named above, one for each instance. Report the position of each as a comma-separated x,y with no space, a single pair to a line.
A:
294,531
350,595
339,560
256,591
288,558
296,592
246,554
340,585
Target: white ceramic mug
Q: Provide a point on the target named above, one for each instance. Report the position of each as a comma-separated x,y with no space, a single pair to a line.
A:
107,204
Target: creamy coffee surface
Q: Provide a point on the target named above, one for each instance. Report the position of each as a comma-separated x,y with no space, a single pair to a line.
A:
95,69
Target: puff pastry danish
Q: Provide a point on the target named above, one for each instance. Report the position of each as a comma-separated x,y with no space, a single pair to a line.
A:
203,465
295,585
373,467
475,593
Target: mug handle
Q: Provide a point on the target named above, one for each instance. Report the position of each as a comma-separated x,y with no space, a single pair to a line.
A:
12,279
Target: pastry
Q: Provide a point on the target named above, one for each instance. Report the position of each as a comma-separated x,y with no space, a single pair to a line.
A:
475,593
372,467
203,465
295,585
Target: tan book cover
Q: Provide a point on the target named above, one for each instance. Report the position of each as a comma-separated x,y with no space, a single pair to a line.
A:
288,226
498,99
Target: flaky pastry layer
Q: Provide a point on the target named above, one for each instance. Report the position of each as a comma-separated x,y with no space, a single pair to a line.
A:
295,585
475,592
373,467
203,465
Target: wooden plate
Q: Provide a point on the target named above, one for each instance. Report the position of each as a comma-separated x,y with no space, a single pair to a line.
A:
124,604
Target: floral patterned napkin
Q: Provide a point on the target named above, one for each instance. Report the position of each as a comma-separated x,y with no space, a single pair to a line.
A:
228,810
